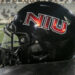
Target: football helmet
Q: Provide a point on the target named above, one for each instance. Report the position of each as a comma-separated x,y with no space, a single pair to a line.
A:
43,31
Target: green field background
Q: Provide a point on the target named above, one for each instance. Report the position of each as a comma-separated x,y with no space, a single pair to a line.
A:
1,33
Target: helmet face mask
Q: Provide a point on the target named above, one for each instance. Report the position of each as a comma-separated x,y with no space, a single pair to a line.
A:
9,39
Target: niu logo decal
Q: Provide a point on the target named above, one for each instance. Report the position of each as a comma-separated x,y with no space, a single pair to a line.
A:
46,22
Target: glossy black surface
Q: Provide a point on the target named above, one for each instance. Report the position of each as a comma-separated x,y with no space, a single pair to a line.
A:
60,47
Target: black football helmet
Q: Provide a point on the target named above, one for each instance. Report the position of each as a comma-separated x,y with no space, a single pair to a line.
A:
45,32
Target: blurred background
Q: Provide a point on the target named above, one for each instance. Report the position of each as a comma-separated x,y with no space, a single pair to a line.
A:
8,8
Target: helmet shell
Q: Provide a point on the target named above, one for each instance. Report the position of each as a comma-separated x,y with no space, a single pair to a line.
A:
49,23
